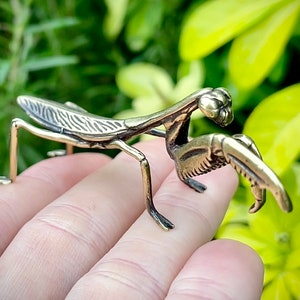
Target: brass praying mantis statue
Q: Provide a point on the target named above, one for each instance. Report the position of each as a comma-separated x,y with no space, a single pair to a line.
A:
70,124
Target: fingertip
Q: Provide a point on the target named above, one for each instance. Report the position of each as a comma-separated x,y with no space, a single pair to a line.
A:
220,269
245,269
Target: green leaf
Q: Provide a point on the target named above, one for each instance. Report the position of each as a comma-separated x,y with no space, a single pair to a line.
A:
51,25
190,78
276,290
286,146
143,24
6,7
4,69
271,229
279,70
270,274
146,105
213,23
114,19
292,280
275,127
255,52
144,79
295,236
293,260
243,234
142,106
283,235
49,62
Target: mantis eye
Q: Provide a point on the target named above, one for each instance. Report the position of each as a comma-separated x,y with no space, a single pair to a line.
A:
216,105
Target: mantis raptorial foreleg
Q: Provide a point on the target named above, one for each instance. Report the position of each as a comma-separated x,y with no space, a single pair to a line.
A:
259,194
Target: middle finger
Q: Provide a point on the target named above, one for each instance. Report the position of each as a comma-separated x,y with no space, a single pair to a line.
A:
144,262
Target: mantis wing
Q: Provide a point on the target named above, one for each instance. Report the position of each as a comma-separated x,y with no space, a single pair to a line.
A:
70,120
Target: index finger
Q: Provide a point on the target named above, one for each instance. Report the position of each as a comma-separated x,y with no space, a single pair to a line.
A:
38,186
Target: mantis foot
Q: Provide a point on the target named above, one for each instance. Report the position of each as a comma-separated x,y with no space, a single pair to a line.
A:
61,152
57,152
4,180
195,185
162,221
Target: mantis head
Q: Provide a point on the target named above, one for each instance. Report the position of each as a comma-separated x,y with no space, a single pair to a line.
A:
216,104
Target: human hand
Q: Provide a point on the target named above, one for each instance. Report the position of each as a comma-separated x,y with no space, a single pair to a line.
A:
74,227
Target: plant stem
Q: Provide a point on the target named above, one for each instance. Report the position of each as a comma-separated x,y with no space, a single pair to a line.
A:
21,13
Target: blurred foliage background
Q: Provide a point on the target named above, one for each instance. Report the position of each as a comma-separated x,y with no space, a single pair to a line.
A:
128,57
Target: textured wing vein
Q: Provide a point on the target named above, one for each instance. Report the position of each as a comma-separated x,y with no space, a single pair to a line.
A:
65,119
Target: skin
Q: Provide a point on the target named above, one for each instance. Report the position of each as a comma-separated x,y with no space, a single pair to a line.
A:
75,227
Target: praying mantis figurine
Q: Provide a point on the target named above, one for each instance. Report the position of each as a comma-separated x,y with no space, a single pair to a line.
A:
70,124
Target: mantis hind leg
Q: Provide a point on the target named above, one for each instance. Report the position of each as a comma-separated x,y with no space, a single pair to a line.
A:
16,124
162,221
13,154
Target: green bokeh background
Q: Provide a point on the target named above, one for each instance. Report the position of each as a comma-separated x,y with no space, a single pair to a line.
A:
131,57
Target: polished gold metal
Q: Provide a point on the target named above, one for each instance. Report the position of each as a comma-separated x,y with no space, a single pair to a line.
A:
70,124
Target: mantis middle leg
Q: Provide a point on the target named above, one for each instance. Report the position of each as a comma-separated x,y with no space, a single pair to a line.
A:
162,221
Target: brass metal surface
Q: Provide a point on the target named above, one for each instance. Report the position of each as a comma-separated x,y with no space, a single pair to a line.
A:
70,124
